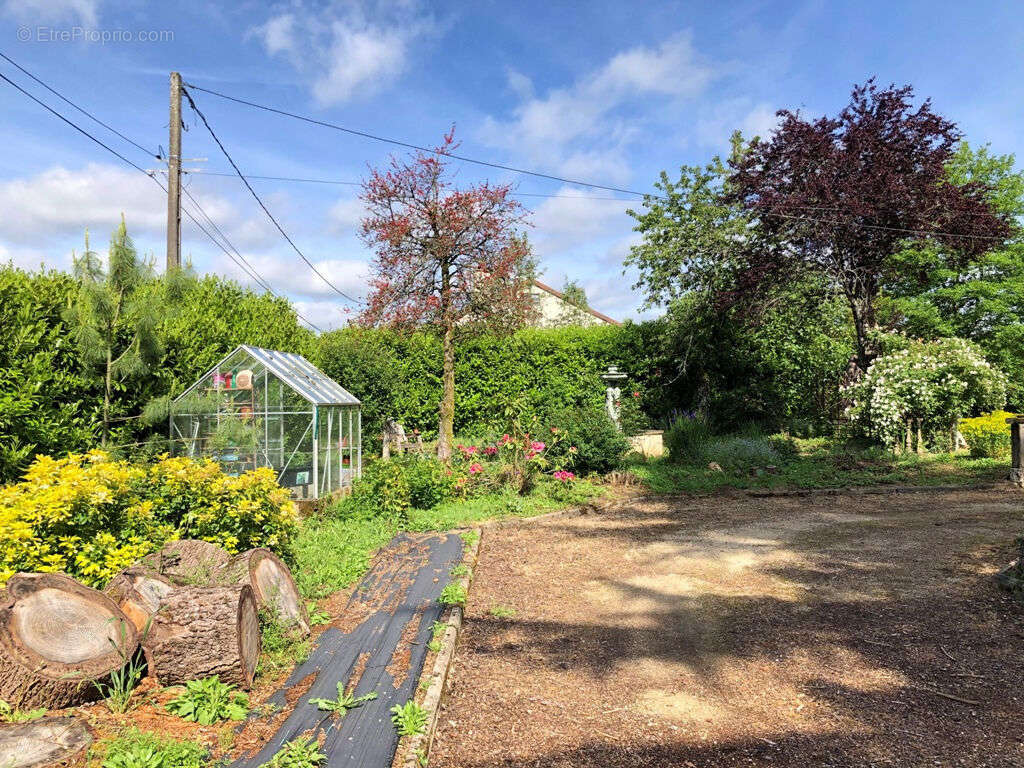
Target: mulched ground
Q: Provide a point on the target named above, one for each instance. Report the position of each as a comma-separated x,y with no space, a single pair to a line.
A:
820,631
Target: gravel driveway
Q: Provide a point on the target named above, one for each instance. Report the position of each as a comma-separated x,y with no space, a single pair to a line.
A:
846,630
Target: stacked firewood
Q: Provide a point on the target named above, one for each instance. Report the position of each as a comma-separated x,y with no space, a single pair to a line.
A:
192,608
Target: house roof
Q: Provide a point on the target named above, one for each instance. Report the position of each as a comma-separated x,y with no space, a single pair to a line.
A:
296,372
599,315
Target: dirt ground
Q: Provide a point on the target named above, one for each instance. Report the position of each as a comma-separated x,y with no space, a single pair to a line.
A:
850,630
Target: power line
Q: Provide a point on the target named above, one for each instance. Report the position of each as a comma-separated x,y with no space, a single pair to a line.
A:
129,162
407,145
359,184
82,131
63,98
252,191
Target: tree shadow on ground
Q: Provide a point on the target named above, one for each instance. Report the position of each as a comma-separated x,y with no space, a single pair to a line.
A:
920,610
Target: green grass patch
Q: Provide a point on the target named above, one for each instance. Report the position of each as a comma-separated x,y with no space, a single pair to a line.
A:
333,552
817,463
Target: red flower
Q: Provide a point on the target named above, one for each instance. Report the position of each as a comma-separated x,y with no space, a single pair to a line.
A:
475,467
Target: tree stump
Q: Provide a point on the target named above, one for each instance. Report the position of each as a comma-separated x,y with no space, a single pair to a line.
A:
204,631
187,561
50,741
272,582
58,638
138,592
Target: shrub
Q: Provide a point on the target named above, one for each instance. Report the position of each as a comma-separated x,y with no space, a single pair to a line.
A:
932,383
90,515
141,749
430,481
687,440
988,435
740,452
599,446
382,491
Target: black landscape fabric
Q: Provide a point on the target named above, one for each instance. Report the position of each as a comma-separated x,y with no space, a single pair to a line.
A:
398,598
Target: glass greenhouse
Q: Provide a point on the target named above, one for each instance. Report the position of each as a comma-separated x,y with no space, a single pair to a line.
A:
261,408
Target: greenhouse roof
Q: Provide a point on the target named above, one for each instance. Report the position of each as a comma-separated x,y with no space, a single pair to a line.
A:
299,374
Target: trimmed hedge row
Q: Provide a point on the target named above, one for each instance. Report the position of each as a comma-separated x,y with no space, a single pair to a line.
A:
551,372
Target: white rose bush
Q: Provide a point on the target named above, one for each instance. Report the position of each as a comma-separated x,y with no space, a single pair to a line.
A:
932,384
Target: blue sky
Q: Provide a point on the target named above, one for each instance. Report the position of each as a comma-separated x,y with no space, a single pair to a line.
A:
604,92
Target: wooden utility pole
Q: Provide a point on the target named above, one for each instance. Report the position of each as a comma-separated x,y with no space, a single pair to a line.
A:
174,177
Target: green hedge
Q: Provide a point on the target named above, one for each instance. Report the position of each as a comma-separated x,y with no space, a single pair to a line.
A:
553,371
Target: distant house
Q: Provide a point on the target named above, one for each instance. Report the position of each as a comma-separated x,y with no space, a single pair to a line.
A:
556,310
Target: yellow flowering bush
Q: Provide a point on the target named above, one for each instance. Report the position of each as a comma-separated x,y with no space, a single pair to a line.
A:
988,435
90,515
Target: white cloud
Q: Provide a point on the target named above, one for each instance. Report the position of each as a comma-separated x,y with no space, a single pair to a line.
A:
345,216
59,202
716,123
586,111
82,12
575,218
347,49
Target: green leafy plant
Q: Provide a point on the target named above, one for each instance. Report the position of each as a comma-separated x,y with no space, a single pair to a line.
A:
592,443
316,615
9,714
208,701
141,749
470,537
459,571
117,694
344,702
299,753
453,594
410,719
282,647
502,611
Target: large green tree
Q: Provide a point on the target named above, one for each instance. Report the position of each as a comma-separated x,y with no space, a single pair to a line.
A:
932,293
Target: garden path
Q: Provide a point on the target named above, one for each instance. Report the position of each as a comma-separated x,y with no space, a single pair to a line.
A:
378,643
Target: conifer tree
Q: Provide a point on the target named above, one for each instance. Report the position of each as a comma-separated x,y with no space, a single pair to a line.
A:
115,315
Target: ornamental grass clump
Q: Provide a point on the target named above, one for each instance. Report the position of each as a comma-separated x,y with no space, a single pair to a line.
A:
90,515
919,393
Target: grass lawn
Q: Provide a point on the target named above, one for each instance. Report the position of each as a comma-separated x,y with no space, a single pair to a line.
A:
333,552
822,463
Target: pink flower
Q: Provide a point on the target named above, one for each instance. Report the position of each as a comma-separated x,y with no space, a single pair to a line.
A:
564,476
554,430
529,453
537,446
504,439
475,467
636,394
490,450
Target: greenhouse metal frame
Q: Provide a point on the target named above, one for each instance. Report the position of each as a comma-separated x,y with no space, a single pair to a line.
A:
262,408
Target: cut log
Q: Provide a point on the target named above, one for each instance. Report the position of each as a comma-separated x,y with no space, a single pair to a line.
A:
57,639
187,561
273,584
204,631
138,592
50,741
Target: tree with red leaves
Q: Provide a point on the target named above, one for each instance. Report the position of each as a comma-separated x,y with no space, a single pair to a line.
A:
837,197
451,259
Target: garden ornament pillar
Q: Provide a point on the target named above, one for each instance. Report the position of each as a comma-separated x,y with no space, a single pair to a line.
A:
612,378
1017,450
